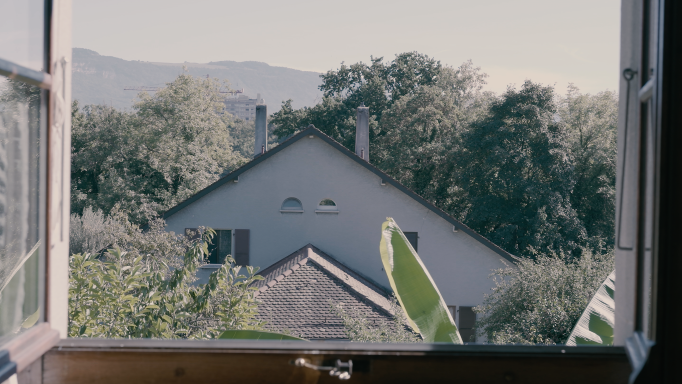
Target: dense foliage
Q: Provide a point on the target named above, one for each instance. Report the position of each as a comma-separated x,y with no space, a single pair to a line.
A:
519,176
540,301
119,295
532,171
170,146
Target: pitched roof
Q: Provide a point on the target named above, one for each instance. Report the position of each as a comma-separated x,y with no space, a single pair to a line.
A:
296,292
311,130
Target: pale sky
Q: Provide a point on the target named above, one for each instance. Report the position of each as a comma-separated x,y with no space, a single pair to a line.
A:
547,41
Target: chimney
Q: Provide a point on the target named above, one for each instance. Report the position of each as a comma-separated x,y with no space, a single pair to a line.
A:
261,145
362,133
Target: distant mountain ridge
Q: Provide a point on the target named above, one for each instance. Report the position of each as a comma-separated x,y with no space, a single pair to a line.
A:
100,79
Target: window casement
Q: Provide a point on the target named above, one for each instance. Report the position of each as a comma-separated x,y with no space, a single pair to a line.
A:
220,247
35,103
648,262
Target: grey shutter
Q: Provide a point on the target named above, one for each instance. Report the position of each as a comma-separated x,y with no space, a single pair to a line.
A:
467,320
413,238
241,246
192,233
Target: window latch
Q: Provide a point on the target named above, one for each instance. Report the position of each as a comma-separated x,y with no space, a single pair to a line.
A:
341,370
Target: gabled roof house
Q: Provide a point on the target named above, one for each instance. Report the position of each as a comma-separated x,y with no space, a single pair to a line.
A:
311,196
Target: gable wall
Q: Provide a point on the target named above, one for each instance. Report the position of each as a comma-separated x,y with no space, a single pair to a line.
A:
312,170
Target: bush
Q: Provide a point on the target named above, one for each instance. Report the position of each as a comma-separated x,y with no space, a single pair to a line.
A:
120,296
95,232
540,301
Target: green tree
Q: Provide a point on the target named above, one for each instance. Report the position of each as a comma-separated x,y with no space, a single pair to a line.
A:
540,301
518,175
170,146
591,123
377,85
421,145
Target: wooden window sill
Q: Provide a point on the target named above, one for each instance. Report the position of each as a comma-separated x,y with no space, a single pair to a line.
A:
220,361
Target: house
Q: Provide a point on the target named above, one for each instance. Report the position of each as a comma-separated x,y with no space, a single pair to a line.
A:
312,190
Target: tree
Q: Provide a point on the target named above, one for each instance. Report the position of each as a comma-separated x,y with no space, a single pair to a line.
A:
590,122
377,85
518,175
540,301
173,144
422,142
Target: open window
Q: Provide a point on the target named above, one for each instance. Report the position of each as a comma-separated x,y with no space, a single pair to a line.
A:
35,59
648,256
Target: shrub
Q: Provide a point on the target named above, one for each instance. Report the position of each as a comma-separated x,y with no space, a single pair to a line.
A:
540,301
120,296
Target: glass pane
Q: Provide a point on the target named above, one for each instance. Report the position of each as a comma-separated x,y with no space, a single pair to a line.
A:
21,121
22,32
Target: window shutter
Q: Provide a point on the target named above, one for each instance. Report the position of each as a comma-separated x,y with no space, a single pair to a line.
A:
241,246
192,233
467,320
413,238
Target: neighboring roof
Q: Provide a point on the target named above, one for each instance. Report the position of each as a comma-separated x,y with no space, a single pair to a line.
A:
296,292
311,130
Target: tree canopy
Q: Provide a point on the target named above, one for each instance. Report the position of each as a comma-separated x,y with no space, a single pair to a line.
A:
531,170
170,146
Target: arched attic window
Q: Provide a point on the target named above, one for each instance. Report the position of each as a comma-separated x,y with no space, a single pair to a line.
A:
291,205
327,206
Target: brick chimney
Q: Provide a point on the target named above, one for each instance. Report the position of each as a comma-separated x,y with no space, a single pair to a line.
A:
261,145
362,133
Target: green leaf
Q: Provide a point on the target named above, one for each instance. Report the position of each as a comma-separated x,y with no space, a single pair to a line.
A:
256,335
416,291
595,326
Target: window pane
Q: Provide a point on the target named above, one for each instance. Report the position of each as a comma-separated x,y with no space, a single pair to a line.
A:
21,119
224,244
22,32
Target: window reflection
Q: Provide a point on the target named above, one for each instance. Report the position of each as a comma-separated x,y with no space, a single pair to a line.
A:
21,116
21,33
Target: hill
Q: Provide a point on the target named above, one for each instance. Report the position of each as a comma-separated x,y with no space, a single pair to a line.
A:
100,79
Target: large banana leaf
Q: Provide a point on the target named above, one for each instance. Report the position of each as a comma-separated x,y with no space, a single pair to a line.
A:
595,326
416,291
256,335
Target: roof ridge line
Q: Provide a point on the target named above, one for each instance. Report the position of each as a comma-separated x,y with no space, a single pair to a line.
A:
350,281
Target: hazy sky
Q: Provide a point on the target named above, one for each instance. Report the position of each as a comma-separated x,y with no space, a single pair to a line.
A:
548,41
